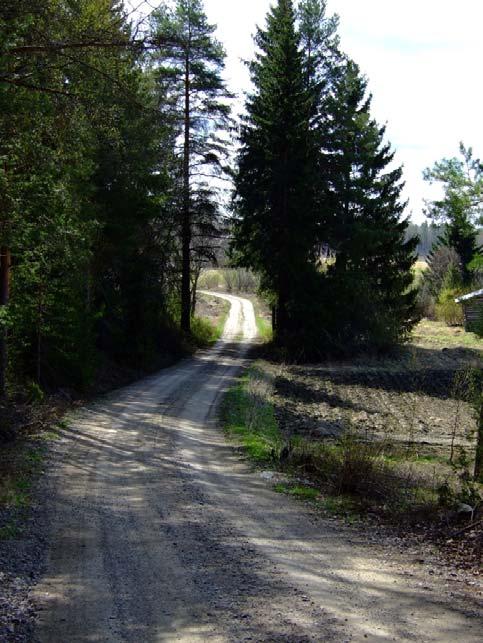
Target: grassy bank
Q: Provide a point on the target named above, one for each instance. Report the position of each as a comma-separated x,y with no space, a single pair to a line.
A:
22,461
349,475
249,418
208,324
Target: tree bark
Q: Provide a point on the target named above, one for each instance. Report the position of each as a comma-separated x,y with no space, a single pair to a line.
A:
194,289
186,216
5,262
479,444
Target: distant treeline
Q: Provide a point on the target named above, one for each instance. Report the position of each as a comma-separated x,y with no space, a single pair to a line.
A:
428,234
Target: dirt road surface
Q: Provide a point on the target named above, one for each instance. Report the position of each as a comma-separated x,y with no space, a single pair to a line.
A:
158,531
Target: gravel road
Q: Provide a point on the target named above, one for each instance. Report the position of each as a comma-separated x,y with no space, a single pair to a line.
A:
159,531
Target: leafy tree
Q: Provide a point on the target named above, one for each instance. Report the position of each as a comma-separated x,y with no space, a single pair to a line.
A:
461,206
44,188
195,101
276,227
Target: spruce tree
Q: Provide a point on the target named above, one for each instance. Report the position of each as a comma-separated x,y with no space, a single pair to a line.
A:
194,98
83,191
370,279
275,226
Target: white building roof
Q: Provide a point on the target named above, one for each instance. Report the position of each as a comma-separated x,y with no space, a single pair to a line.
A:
470,295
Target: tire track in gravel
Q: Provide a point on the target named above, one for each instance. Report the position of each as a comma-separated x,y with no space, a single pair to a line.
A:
158,531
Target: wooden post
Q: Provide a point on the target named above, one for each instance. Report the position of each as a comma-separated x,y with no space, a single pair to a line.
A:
5,262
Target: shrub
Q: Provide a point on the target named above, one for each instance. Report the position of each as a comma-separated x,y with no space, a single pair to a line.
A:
210,279
447,310
351,467
240,280
202,331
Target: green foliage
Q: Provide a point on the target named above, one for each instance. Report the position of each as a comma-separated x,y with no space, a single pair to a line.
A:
86,179
447,310
248,416
298,491
264,327
371,277
35,393
313,176
275,227
461,207
203,332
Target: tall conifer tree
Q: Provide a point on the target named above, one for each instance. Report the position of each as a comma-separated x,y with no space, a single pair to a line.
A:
366,228
194,97
274,233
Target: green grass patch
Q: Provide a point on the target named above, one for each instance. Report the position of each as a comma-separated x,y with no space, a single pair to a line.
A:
203,332
18,469
438,335
248,416
342,506
206,332
398,458
298,491
264,328
262,320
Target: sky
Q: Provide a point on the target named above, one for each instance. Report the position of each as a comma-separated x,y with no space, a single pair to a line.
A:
422,59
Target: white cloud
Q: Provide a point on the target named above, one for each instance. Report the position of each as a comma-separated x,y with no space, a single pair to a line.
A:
422,59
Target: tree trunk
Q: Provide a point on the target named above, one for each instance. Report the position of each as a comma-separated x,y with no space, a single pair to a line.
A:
194,288
40,322
5,261
281,313
479,444
274,319
186,216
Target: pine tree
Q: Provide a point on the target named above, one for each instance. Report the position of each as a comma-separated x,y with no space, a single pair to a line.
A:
372,272
195,99
275,227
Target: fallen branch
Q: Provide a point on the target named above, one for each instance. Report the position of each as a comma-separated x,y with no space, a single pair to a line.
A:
470,526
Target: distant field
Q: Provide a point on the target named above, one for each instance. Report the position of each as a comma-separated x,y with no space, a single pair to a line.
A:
408,399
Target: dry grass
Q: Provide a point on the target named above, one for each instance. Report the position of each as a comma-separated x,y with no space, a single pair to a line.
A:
434,334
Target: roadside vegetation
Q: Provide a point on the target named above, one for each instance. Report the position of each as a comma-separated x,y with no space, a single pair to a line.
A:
390,440
100,206
209,321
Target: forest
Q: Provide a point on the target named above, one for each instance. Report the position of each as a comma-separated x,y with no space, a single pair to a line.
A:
241,383
124,171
